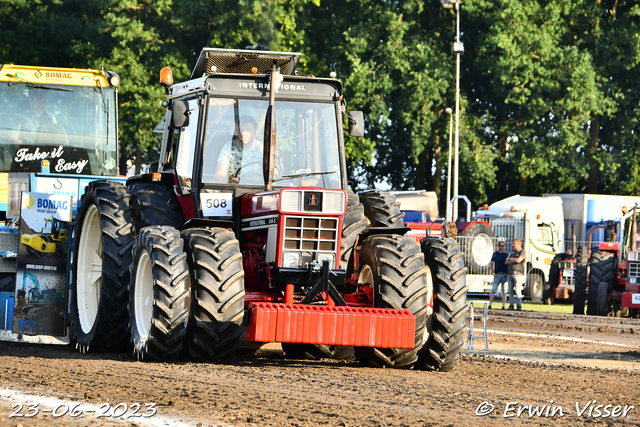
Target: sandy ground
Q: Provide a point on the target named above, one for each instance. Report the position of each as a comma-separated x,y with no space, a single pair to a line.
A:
540,369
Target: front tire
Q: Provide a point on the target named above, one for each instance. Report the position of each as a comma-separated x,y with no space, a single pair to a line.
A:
603,308
602,268
316,351
580,289
394,266
217,302
446,335
159,294
102,255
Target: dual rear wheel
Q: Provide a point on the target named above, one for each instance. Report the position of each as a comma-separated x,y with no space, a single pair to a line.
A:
156,292
187,294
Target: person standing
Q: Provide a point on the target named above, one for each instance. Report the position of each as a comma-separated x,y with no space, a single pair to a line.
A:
499,270
516,262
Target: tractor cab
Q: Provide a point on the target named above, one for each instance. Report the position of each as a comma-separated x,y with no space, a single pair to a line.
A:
226,135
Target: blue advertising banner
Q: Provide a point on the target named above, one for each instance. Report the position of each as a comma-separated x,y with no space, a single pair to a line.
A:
42,262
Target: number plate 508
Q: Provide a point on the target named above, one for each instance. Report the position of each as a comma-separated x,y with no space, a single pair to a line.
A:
216,204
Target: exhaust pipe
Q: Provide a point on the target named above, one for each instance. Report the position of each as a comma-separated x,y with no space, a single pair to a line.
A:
269,151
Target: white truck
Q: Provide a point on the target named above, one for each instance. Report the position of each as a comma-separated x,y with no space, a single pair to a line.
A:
539,223
589,210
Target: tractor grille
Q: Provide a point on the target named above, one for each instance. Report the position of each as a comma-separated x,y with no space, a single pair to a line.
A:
327,202
634,269
313,238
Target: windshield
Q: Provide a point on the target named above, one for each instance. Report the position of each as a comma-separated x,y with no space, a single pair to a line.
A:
307,151
74,127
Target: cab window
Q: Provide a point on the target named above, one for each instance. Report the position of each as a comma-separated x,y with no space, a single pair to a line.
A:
545,235
186,147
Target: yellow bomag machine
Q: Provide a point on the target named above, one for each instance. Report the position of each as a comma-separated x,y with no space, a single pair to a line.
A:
53,240
58,132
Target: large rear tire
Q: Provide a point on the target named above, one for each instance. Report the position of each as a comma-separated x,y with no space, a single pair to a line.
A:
102,256
394,266
353,223
381,209
602,268
159,294
478,242
217,304
446,329
580,288
154,204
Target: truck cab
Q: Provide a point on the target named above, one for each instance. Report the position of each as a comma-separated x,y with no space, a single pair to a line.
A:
539,223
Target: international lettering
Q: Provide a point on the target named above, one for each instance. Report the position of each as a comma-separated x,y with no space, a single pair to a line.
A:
266,86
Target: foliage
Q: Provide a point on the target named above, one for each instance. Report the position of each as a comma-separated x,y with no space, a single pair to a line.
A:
548,97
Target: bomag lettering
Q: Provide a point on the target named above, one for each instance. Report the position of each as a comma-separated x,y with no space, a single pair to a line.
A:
52,75
52,204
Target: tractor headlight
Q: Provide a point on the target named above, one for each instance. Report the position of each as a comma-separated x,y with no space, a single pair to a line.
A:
291,259
328,256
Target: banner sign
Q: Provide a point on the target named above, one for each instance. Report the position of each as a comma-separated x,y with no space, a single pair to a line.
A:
42,262
63,159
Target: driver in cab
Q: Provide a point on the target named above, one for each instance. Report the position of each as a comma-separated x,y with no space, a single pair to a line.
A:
242,156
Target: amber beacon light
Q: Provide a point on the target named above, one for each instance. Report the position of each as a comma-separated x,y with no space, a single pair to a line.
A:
166,77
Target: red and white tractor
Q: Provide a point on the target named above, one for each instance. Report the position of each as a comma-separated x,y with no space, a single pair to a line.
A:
246,226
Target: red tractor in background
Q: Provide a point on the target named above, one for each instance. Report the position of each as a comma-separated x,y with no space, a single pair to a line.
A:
613,285
565,271
246,227
420,210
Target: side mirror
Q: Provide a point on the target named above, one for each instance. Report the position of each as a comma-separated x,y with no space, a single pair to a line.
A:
356,123
180,114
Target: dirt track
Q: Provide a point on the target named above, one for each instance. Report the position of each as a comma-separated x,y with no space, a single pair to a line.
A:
267,389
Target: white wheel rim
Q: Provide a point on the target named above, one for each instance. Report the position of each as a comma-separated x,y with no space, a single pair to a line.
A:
89,280
430,295
366,276
482,249
143,298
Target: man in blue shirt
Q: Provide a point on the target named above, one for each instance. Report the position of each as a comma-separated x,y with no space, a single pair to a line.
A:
499,271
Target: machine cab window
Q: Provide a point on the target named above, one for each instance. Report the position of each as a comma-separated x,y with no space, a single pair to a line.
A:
186,147
306,151
545,235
